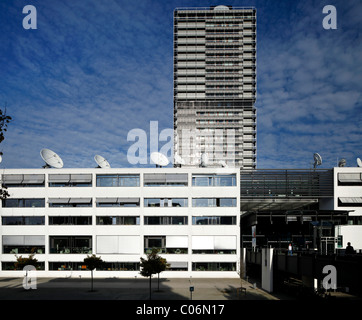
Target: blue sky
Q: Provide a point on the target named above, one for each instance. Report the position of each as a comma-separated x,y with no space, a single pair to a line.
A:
94,70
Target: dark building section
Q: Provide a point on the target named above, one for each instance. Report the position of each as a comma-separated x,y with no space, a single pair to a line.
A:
283,206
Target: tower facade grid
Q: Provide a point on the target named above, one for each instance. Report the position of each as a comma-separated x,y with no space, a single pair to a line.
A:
215,85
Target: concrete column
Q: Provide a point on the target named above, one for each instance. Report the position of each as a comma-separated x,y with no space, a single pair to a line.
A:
267,269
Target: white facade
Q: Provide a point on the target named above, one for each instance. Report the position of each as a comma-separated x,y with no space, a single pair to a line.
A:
74,216
348,190
348,196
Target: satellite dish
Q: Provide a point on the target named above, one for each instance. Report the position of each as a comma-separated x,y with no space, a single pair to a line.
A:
221,7
204,160
317,160
102,162
359,162
51,159
159,159
342,163
179,161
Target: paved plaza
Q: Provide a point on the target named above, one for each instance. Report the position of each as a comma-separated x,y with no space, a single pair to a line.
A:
131,289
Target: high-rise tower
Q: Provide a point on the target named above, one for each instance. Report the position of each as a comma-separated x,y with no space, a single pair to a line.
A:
215,85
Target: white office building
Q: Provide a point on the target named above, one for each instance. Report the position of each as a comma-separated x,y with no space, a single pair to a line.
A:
348,196
190,214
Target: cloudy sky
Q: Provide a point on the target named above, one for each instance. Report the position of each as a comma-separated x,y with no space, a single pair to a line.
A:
94,70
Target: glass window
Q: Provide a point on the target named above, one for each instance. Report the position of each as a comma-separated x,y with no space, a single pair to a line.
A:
164,202
148,202
200,220
213,266
227,202
228,220
32,203
178,202
32,221
121,266
15,244
178,220
118,180
107,181
129,181
168,220
11,266
70,220
69,265
24,185
214,220
15,249
70,244
155,242
214,180
118,202
226,180
21,203
118,220
70,184
10,203
201,181
214,202
204,202
159,242
152,220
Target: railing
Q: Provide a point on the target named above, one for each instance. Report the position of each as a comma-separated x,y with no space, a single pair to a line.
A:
269,183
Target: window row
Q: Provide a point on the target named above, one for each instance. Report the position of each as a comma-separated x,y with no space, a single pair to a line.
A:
350,202
127,266
350,179
117,202
114,180
117,220
119,244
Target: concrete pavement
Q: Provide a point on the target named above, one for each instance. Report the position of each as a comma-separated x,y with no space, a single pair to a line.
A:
130,289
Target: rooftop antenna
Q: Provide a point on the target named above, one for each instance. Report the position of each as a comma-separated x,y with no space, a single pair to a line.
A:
102,162
317,160
359,162
178,162
159,159
51,159
342,163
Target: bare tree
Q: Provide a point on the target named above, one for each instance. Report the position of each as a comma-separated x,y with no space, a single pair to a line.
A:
4,121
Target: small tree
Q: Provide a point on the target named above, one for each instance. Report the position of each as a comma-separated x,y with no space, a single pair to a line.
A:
152,265
4,121
29,261
92,262
23,264
162,265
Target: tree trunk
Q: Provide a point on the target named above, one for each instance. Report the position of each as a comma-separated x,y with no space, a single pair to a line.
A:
158,282
150,287
92,280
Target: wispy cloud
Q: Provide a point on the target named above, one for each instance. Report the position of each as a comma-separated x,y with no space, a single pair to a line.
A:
310,89
87,76
93,71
